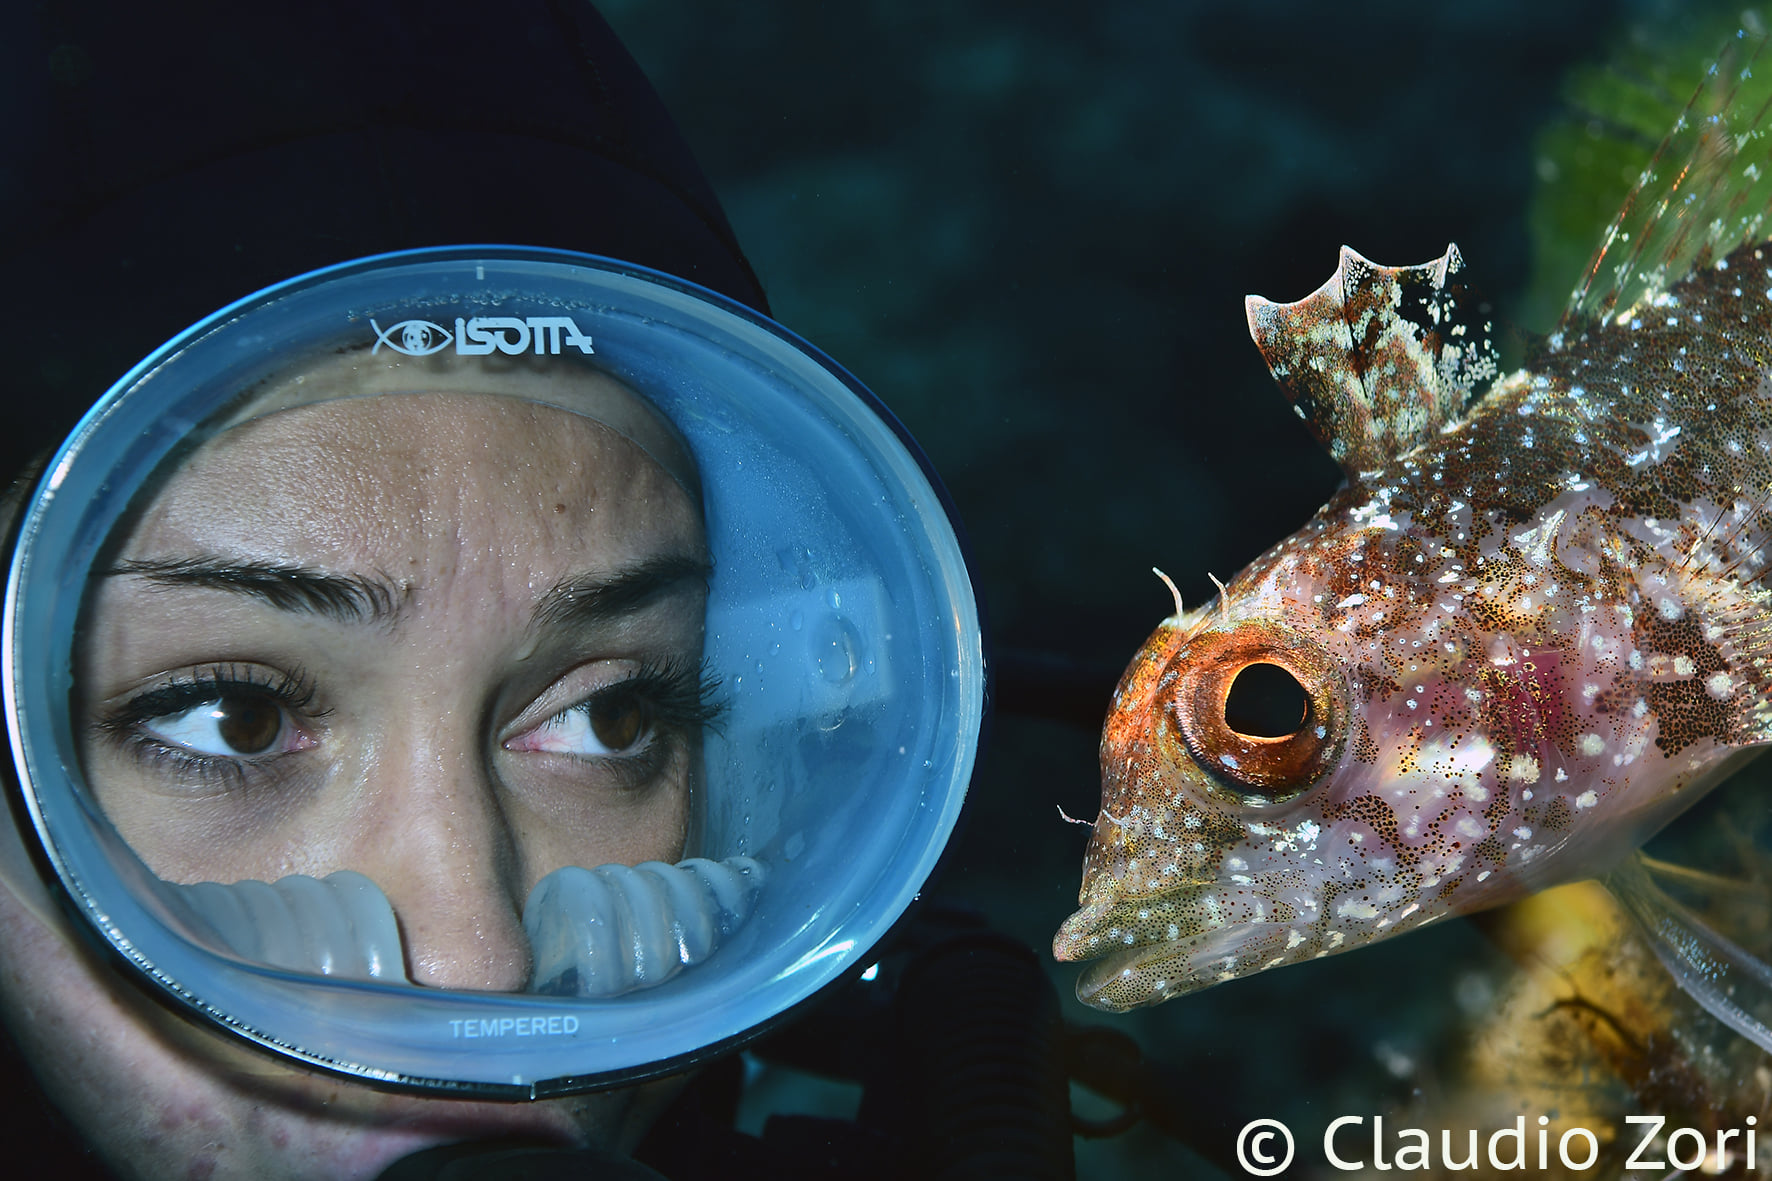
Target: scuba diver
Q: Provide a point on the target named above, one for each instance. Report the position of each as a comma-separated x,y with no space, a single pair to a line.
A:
455,692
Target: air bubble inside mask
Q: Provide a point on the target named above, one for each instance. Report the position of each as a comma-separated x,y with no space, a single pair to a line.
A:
593,932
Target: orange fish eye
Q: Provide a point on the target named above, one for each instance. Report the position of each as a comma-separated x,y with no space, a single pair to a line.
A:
1262,710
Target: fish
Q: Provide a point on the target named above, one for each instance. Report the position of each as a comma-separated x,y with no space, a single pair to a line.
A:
1532,627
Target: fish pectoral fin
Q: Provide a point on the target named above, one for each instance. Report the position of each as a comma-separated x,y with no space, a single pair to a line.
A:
1378,359
1729,982
1715,885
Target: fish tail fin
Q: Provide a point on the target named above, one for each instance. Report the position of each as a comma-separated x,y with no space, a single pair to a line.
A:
1730,983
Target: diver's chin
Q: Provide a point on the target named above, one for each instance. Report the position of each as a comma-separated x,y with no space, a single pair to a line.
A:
1157,972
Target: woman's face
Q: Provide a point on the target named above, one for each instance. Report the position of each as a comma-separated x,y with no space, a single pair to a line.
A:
452,642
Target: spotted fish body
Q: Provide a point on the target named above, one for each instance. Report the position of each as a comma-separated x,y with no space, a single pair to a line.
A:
1524,635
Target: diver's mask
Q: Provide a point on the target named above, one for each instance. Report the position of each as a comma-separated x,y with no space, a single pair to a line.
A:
826,727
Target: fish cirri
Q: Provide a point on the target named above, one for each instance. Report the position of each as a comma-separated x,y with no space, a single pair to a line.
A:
1532,627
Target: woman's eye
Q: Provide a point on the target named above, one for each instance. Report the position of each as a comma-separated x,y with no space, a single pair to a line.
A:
611,723
230,725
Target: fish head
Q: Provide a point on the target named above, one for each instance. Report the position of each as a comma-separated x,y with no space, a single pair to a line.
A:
1247,817
1218,730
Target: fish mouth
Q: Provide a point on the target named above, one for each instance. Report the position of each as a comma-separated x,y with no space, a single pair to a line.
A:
1146,975
1151,950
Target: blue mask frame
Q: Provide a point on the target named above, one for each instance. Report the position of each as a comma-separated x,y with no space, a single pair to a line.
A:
841,603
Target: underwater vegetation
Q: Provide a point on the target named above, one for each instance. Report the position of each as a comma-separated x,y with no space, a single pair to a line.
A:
1588,157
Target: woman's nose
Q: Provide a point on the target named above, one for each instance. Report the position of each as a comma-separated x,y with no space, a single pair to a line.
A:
435,839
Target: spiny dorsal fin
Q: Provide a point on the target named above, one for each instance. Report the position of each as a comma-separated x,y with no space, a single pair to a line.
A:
1376,360
1706,190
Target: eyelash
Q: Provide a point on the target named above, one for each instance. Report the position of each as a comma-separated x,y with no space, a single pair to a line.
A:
680,696
293,692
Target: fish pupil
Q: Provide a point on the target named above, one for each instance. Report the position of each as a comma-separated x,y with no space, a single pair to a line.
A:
1265,701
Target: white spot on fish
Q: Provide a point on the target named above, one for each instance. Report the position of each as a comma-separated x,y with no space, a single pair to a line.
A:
1586,799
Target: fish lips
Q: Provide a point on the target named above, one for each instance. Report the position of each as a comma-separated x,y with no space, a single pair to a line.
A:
1137,976
1141,962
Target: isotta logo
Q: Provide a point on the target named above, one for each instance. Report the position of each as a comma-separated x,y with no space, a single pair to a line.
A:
483,335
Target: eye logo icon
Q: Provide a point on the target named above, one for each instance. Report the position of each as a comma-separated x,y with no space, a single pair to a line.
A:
484,335
415,338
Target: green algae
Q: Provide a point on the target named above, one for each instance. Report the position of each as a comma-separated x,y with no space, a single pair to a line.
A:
1616,111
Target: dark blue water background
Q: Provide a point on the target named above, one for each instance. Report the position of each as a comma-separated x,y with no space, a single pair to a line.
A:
1029,227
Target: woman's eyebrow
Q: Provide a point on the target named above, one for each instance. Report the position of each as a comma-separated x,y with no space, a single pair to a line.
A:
597,598
348,598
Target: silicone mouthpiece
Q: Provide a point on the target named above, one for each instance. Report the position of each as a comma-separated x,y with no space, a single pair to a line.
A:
594,932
